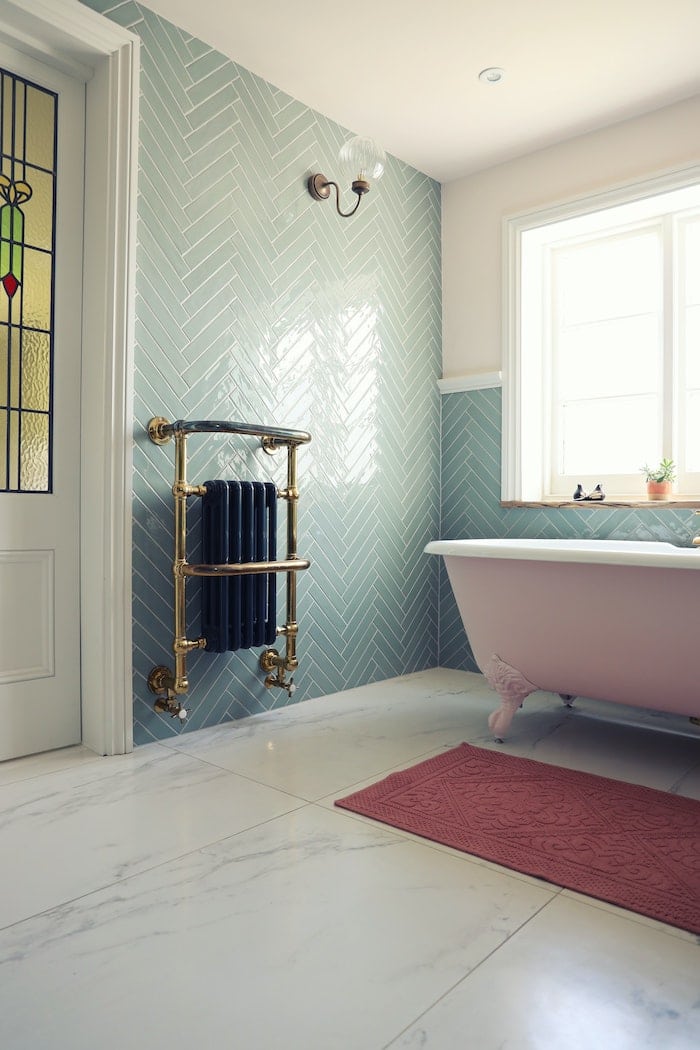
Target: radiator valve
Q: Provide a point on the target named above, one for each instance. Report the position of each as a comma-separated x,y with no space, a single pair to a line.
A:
170,705
160,682
272,680
271,661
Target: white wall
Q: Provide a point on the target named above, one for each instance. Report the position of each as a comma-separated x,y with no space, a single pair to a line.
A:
473,209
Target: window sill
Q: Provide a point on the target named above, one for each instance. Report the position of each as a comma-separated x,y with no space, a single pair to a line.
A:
676,502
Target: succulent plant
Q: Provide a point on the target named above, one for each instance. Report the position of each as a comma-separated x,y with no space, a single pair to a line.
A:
666,471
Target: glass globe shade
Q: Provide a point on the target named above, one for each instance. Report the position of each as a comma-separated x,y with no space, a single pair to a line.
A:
362,158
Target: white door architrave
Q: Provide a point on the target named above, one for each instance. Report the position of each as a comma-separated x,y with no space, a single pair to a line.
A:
76,40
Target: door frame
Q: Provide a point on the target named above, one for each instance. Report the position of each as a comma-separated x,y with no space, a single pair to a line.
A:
84,44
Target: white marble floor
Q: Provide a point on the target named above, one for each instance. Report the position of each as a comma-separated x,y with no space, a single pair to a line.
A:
207,893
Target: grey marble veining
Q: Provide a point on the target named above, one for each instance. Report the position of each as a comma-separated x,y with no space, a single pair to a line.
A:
218,898
347,732
573,977
40,765
74,831
342,923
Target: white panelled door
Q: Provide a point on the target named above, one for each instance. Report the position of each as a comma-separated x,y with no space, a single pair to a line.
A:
41,234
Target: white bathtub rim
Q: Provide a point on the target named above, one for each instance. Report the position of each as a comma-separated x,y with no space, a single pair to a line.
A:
651,554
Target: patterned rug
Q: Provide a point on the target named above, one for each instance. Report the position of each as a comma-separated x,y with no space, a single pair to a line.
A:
631,846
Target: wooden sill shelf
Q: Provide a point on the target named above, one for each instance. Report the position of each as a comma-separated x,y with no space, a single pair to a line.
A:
676,502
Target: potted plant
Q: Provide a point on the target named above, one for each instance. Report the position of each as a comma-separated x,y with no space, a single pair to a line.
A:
660,479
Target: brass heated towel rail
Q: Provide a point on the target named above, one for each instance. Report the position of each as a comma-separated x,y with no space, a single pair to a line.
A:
168,685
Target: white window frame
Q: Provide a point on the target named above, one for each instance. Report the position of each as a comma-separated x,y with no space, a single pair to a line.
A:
525,459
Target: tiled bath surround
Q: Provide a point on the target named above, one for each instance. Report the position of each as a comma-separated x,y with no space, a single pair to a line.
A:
471,492
257,304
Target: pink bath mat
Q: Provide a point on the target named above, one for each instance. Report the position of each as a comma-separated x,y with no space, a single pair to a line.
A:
631,846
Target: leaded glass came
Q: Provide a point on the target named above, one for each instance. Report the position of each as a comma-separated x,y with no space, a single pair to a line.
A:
27,245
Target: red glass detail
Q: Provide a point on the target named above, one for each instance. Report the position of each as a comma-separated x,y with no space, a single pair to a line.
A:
10,284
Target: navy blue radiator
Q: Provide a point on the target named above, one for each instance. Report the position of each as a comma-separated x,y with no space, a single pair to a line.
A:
239,524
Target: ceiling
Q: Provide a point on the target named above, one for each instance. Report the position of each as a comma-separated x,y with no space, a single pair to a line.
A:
405,72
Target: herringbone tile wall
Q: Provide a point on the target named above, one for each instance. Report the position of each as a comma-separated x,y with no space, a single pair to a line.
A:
255,303
471,487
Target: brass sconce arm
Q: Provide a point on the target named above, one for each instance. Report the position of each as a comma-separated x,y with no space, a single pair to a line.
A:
320,189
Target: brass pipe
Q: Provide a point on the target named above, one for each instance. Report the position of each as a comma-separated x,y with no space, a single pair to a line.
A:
291,662
161,431
291,494
180,649
245,568
161,680
271,660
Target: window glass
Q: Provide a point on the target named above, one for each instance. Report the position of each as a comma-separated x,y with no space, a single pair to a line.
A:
613,277
603,365
609,436
690,339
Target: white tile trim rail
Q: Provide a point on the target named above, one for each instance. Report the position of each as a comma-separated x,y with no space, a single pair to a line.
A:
474,381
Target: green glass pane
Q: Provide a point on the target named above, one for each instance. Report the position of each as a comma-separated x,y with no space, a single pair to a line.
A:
35,370
14,362
41,107
13,443
34,452
11,241
36,297
4,372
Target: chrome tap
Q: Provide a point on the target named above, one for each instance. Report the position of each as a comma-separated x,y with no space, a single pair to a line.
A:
696,539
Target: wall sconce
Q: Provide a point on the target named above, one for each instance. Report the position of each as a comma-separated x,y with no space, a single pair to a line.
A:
362,159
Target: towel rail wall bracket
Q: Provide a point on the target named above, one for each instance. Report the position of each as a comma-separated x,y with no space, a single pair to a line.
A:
169,686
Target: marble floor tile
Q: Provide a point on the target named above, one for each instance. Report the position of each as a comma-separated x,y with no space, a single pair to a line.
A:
634,752
632,916
573,977
366,731
46,762
71,832
328,744
329,803
208,892
310,932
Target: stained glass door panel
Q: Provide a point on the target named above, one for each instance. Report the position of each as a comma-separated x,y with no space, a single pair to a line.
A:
28,140
41,207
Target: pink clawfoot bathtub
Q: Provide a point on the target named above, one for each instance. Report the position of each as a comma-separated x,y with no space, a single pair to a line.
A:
607,619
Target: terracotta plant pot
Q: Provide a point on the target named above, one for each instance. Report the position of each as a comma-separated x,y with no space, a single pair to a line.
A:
659,489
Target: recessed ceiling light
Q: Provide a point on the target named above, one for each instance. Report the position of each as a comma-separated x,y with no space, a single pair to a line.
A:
492,75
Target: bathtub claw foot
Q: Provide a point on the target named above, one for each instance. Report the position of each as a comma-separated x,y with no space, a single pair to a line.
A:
512,687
